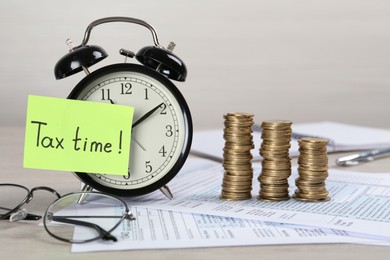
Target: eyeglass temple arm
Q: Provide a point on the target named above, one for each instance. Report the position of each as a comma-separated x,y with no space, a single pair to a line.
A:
105,235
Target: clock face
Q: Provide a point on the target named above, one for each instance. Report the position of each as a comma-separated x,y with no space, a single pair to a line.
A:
161,131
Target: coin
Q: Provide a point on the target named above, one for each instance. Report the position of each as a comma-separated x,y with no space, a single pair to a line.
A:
276,163
272,199
234,196
312,170
237,156
324,199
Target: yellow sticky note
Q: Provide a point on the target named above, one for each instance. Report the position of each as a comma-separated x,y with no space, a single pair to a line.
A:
79,136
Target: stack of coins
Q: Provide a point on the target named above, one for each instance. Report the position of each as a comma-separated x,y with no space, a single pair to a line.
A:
276,164
238,171
312,170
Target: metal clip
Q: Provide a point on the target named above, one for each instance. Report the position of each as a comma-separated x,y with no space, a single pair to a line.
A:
359,158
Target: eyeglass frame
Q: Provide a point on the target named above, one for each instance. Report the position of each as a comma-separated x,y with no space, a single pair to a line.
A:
26,200
103,234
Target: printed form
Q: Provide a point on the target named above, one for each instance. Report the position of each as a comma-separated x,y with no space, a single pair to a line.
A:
159,229
360,202
196,217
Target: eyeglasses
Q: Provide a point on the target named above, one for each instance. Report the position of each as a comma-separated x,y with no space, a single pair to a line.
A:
78,217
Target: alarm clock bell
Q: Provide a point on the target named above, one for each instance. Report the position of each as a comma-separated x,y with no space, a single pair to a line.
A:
155,57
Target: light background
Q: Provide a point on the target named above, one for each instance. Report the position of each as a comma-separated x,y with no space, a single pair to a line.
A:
302,60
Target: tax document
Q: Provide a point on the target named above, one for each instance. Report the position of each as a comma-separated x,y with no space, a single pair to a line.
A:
342,137
360,202
181,223
162,229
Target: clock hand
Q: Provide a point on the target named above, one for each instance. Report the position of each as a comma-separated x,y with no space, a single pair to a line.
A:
132,137
136,141
146,115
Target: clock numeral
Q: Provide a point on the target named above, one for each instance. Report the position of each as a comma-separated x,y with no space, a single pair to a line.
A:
148,167
162,151
146,94
105,94
126,89
169,132
126,177
164,109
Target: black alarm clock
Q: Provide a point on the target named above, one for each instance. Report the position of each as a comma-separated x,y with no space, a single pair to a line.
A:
162,125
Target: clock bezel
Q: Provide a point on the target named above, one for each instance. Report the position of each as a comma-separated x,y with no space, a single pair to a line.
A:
120,67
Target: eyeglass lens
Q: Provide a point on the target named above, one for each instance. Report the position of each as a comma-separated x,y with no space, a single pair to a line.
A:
83,217
11,196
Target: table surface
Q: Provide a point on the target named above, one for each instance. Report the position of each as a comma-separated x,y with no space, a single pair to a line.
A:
29,240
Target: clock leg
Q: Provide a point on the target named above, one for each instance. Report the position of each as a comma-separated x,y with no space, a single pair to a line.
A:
86,187
167,192
82,197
